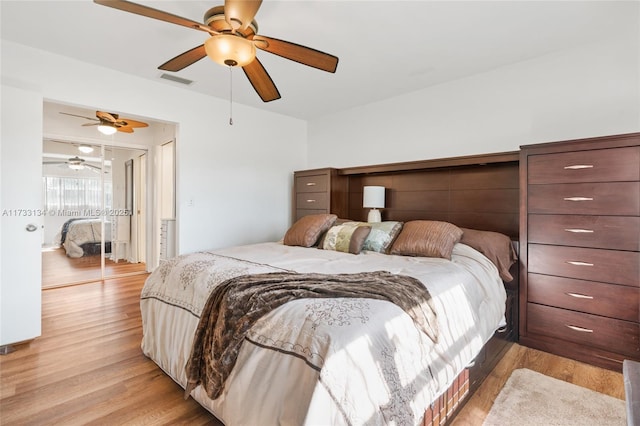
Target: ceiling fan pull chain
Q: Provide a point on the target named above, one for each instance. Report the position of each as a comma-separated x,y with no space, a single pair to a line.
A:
230,96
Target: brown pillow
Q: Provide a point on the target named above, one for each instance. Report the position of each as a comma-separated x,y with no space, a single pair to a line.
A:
307,229
347,238
495,246
428,238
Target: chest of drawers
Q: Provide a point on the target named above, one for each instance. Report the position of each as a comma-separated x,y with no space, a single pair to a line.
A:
319,191
580,249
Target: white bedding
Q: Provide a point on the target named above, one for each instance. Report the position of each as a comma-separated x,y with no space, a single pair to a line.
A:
327,361
82,231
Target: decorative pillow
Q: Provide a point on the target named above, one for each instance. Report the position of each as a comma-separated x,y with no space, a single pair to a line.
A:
347,238
382,235
306,231
495,246
428,238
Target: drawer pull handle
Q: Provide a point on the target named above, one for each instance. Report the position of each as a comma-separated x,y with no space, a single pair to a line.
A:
580,329
311,184
579,231
579,296
578,198
579,166
311,201
577,263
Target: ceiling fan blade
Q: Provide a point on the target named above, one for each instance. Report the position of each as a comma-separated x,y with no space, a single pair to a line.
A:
127,122
54,162
240,13
150,12
261,81
185,59
92,167
80,116
91,124
295,52
125,129
111,118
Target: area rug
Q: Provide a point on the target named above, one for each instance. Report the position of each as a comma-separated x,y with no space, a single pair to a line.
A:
531,398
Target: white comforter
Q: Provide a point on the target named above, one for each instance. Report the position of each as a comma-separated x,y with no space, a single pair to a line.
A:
327,361
84,231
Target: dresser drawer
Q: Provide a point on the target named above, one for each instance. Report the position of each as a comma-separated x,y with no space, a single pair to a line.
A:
617,198
601,165
607,266
590,330
312,183
609,300
612,232
312,200
306,212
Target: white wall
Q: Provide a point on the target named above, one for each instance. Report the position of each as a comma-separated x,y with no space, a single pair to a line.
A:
588,91
239,177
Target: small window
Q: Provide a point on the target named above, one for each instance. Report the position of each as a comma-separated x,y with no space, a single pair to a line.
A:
77,195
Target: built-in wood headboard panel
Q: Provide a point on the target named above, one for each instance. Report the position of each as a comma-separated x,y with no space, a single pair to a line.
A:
480,192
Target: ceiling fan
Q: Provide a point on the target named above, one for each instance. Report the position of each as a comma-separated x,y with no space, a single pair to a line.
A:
76,163
233,41
109,123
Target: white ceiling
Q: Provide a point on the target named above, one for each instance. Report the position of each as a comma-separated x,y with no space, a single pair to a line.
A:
76,125
386,48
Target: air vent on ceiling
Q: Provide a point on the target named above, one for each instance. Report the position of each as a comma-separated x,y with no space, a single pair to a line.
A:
176,79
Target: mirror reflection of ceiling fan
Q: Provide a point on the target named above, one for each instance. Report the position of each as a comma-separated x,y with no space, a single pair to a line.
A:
76,163
233,41
109,123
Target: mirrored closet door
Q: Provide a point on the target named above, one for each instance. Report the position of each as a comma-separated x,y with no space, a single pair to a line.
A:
93,224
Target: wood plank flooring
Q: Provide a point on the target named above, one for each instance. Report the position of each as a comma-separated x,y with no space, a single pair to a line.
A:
585,375
87,367
58,269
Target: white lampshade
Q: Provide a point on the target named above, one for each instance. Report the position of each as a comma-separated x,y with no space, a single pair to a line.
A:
373,198
230,50
106,129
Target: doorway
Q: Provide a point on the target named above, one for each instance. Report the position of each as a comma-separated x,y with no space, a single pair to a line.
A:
100,193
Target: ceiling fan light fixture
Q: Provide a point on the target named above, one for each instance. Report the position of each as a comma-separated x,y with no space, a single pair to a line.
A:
86,149
73,166
106,129
230,50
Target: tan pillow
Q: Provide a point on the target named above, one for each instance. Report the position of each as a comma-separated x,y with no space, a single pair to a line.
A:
495,246
306,231
347,238
428,238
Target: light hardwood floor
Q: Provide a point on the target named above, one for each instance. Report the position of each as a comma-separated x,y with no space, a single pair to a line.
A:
87,367
59,270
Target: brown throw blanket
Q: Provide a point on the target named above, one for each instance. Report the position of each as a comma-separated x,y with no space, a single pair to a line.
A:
236,304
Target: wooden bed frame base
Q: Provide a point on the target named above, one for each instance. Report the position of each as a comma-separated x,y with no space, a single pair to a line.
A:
443,408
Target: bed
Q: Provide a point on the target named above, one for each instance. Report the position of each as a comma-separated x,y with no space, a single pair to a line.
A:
353,359
82,236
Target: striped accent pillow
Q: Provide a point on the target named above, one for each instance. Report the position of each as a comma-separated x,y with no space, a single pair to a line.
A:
382,235
347,238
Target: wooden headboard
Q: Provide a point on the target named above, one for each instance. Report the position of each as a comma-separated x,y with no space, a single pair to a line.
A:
480,192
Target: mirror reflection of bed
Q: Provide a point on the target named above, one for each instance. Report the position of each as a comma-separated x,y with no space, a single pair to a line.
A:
90,220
